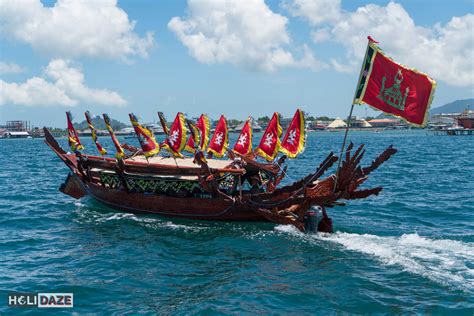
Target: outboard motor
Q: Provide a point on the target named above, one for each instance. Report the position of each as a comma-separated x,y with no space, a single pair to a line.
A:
311,220
325,224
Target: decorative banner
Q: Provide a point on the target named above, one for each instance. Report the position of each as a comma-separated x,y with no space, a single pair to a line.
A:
193,138
293,142
73,138
270,142
243,145
101,149
120,153
161,116
393,88
176,140
220,140
145,137
204,126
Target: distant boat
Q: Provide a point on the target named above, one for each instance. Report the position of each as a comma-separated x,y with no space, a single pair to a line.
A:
255,127
21,134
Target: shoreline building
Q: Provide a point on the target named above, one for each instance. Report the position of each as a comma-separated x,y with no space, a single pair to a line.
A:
466,119
337,124
384,122
15,129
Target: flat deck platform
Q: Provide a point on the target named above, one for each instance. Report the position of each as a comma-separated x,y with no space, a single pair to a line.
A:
182,162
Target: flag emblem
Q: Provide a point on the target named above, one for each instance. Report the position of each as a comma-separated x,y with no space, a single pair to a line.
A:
268,140
392,95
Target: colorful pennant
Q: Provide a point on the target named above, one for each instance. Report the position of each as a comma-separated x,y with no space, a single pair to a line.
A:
101,149
145,137
243,145
119,150
176,140
270,142
73,137
220,140
293,141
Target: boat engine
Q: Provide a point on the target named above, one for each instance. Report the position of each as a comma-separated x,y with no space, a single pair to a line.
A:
311,220
325,224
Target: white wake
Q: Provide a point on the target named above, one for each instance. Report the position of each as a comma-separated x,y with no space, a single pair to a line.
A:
91,216
445,261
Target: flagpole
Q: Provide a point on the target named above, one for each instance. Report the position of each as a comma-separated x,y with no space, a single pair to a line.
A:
343,146
350,116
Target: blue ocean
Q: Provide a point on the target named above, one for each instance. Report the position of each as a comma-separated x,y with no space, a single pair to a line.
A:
408,250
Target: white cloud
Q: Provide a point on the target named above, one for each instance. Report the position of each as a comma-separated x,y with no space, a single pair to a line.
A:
315,12
247,34
35,91
66,88
446,52
10,68
347,68
73,28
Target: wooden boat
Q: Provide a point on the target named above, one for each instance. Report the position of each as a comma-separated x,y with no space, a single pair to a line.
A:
235,189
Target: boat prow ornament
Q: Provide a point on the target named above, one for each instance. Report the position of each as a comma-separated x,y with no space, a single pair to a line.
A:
239,188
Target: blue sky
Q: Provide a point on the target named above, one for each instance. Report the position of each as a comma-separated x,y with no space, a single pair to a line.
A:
238,58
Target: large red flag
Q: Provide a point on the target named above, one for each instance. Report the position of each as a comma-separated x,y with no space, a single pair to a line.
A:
145,137
243,145
220,140
176,140
120,153
270,142
73,137
393,88
293,142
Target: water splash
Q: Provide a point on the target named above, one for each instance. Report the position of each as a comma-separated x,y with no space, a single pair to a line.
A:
87,214
444,261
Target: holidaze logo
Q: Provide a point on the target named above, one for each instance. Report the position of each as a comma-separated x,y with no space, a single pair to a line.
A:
41,300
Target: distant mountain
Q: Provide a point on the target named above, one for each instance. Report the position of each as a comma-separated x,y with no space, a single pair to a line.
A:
98,123
454,107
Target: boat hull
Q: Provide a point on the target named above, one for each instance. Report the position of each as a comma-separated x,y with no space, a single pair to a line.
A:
215,209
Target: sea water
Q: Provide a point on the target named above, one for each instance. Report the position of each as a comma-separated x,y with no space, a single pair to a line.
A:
408,250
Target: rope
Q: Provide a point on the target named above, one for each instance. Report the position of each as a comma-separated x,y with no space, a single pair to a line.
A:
285,173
